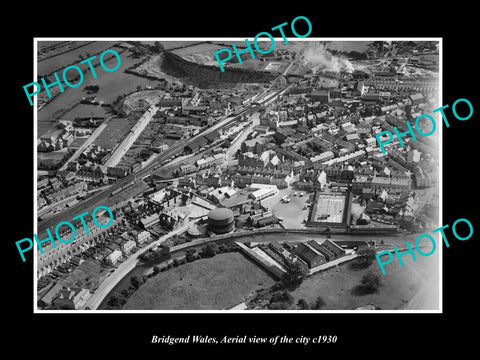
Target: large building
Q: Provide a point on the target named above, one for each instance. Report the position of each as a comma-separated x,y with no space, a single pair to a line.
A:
334,248
310,255
221,221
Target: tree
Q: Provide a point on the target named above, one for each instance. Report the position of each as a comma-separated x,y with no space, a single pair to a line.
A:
209,250
319,303
370,282
303,305
226,144
282,296
279,306
165,250
190,255
146,257
366,255
136,281
116,301
158,47
296,272
126,293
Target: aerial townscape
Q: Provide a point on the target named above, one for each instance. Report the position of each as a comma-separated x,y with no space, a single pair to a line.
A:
262,187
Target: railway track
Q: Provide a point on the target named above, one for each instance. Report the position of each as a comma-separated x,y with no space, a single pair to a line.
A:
83,206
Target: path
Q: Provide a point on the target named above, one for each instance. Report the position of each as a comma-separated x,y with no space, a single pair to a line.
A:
241,138
87,143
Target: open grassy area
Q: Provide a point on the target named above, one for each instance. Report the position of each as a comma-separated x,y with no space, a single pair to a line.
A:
207,284
111,86
84,110
61,61
114,132
338,287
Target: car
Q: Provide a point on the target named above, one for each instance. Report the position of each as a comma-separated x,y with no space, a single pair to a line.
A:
301,194
295,193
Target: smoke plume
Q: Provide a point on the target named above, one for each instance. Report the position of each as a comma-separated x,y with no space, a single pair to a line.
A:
316,55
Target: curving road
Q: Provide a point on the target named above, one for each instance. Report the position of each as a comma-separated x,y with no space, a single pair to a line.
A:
124,268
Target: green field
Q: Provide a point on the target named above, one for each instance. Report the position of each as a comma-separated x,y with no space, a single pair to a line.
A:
207,284
114,132
112,85
338,287
61,61
83,111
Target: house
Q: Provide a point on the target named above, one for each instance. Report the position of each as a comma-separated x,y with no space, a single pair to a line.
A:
187,169
114,257
49,297
142,237
324,156
72,298
352,137
417,99
126,246
254,146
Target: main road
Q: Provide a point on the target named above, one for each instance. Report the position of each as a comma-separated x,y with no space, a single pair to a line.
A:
90,203
124,268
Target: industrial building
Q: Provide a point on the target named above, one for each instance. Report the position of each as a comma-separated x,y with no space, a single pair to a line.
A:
220,221
310,255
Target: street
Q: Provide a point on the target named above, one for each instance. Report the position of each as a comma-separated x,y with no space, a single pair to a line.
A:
124,268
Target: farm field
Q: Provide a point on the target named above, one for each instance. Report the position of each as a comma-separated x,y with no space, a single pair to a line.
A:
338,287
207,284
114,132
52,157
84,110
111,85
60,62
